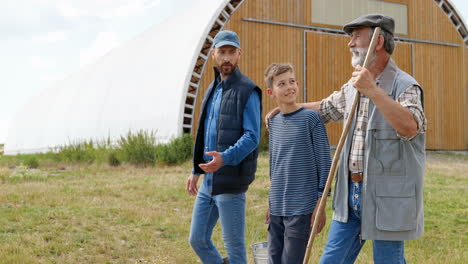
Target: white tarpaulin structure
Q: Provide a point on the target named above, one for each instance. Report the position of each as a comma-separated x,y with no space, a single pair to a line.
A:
142,85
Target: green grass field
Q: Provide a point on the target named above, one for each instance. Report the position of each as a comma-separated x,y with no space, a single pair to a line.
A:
101,214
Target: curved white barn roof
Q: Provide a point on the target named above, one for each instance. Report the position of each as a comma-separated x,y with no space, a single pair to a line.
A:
140,85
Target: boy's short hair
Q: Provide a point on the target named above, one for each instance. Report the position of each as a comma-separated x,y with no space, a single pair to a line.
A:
276,69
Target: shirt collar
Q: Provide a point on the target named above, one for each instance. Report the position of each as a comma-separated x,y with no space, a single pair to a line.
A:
386,78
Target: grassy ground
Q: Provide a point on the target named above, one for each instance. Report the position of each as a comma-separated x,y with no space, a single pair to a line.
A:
99,214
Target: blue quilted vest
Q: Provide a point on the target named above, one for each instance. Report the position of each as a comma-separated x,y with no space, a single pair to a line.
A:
237,89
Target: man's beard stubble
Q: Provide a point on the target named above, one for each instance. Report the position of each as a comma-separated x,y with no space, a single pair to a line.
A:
227,71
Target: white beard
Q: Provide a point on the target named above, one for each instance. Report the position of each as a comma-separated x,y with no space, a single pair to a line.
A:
359,58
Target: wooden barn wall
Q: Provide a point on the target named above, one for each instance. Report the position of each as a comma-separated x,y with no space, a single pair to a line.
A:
329,67
465,95
441,70
289,11
439,73
428,22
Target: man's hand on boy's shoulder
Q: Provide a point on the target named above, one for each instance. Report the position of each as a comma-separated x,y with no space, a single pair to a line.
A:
214,164
312,105
270,115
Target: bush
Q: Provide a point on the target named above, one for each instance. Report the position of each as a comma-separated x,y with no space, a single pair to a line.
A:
81,152
177,151
113,159
31,162
103,150
139,149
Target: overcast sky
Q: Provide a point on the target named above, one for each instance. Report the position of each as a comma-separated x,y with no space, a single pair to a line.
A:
42,41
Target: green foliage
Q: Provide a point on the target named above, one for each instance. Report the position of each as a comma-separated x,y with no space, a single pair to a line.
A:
177,151
113,159
102,150
139,149
80,152
31,162
9,161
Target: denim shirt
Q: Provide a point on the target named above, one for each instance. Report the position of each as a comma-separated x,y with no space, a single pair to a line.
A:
251,125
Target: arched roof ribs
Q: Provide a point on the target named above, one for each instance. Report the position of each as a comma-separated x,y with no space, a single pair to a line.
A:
199,68
450,10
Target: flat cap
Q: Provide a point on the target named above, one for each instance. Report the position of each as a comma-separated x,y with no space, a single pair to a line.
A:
372,20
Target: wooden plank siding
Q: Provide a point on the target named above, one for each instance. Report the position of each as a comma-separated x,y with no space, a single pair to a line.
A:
427,21
464,107
441,70
288,11
438,70
329,67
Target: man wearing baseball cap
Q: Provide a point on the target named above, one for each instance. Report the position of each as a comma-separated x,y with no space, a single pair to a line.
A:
226,150
379,189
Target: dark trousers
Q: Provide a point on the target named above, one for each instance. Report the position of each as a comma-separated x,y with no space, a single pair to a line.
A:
287,238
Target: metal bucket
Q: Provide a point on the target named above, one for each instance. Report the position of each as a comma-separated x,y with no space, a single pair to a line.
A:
260,252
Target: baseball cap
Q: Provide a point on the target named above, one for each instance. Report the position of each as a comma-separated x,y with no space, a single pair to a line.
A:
226,37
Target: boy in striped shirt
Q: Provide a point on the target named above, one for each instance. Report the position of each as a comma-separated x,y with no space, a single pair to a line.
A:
299,165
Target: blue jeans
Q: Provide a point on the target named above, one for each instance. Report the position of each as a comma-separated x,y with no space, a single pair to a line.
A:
287,238
230,209
344,239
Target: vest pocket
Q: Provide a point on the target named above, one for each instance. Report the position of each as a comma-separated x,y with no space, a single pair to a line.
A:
387,157
395,204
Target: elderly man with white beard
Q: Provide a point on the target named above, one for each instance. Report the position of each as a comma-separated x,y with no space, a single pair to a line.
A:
379,189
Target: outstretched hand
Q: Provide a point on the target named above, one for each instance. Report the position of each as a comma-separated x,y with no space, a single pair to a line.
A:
213,165
270,115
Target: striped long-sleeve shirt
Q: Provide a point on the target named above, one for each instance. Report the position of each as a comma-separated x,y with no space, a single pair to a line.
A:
299,162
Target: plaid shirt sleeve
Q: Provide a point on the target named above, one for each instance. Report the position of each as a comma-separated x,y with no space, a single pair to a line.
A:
333,107
411,99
